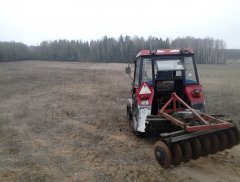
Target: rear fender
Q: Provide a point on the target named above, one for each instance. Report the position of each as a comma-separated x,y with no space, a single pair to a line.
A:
142,115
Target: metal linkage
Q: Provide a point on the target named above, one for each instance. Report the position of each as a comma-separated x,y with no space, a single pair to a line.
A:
205,122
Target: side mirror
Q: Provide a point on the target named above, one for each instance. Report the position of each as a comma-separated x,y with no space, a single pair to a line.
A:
128,70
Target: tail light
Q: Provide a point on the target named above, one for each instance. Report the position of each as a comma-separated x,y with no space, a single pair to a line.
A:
196,93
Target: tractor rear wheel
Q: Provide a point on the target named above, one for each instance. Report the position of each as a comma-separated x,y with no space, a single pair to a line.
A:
129,112
231,138
162,154
214,144
206,146
223,141
186,151
176,154
196,148
133,122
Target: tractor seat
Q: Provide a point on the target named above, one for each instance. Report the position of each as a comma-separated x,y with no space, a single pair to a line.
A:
165,86
167,81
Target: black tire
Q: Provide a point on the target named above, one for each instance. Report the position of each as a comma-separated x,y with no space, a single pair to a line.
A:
133,114
196,148
162,154
206,146
129,113
214,144
186,151
223,141
231,138
176,154
140,134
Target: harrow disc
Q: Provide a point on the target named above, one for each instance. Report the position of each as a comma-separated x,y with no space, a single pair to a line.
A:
214,144
162,154
231,138
206,146
186,151
223,141
176,154
237,134
196,148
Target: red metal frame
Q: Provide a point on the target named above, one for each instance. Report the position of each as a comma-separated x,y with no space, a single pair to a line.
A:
206,122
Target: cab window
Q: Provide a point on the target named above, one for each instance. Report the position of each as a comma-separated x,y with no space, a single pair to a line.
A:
147,71
189,71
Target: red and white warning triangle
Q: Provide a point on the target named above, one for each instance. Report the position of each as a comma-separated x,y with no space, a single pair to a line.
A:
145,89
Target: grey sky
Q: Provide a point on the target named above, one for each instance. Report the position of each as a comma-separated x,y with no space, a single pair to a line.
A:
32,21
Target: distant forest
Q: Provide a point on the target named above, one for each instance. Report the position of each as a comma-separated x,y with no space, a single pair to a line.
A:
233,54
107,49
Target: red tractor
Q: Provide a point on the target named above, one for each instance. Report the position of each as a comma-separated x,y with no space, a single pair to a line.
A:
168,101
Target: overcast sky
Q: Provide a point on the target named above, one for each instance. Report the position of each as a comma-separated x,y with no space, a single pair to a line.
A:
31,21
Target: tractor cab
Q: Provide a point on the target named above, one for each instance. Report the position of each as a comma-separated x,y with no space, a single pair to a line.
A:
157,75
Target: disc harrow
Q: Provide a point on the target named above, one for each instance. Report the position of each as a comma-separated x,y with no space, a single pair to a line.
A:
193,148
207,136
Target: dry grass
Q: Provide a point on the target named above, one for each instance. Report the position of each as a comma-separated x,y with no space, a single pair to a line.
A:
222,84
66,121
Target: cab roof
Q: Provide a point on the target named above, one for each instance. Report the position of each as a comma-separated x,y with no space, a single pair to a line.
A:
164,52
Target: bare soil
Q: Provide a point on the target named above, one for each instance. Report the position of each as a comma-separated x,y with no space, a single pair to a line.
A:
67,122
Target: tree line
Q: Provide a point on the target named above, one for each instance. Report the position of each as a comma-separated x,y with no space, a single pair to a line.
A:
233,54
108,49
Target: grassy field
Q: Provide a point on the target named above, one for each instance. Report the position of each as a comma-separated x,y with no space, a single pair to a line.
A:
67,122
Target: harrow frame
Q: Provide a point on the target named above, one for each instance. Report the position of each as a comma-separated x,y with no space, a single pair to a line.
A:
206,122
